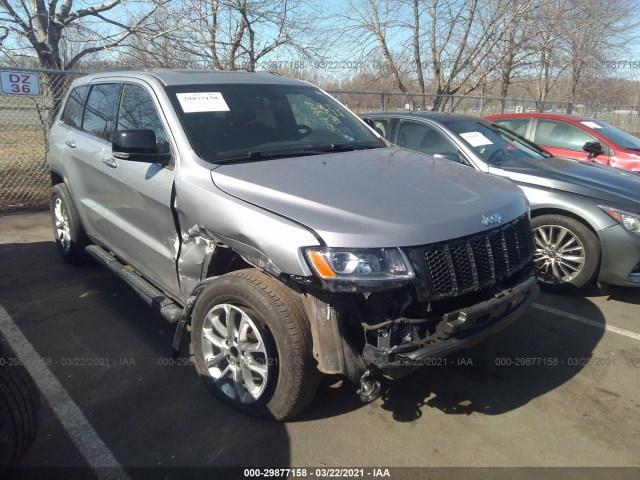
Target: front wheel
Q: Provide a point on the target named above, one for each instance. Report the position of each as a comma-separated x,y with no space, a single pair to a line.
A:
252,345
567,253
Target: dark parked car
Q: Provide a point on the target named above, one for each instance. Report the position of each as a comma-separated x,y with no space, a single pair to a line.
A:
585,216
566,135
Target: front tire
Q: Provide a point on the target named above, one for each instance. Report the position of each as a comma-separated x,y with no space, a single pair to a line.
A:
71,238
567,253
252,345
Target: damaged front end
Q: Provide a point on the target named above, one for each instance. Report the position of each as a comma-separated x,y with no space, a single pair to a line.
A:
458,293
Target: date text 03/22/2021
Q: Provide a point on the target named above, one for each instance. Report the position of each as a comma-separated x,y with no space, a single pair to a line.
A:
324,472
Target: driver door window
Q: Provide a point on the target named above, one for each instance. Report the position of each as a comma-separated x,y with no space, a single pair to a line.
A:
137,110
561,135
423,138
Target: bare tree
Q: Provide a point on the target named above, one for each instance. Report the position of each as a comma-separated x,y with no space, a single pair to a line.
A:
590,43
464,37
227,34
41,27
450,43
378,19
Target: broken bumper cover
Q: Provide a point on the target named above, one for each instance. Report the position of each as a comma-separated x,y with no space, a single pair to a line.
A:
459,329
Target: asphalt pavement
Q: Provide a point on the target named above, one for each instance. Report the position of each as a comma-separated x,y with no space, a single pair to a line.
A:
559,388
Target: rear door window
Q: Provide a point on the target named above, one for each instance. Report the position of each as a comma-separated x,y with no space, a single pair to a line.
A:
100,110
72,114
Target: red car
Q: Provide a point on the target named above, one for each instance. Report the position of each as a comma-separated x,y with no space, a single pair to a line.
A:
566,136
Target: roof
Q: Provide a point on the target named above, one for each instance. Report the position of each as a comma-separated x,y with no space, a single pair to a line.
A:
169,77
442,117
553,116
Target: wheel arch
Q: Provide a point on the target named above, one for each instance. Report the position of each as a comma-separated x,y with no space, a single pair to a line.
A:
566,213
573,216
56,178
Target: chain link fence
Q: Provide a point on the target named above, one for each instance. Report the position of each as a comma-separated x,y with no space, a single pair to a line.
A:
25,121
24,125
625,117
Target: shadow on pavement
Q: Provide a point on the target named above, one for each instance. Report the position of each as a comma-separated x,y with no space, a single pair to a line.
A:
628,295
535,355
112,354
153,411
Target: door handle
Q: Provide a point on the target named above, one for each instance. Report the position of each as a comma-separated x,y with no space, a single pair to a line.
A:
70,143
109,162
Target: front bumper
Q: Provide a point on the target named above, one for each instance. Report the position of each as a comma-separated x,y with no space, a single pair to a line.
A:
620,255
458,329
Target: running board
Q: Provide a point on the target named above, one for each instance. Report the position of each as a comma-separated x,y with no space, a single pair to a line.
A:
150,294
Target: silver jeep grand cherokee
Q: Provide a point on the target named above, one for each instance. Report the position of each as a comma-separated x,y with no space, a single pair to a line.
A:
287,236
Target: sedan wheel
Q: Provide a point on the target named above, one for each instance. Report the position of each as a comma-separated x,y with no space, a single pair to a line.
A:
567,253
559,253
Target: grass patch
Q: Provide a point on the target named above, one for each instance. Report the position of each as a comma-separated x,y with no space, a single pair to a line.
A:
24,179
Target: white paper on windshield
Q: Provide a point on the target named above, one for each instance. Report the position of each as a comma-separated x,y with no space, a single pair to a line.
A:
591,124
202,102
476,139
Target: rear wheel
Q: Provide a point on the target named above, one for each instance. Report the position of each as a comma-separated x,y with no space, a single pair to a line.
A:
71,239
252,345
567,253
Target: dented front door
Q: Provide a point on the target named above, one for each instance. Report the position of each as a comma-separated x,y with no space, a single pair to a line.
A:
142,230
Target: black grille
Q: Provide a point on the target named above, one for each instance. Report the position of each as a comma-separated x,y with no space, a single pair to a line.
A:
469,264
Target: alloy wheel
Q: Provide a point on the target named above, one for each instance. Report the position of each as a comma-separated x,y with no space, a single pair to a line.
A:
235,353
559,255
63,231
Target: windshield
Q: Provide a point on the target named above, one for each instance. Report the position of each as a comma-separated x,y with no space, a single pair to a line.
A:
617,136
495,144
227,122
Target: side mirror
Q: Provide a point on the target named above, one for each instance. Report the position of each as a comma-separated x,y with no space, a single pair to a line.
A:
452,157
138,145
369,121
593,148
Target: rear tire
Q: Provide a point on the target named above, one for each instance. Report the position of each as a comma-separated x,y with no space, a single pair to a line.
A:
252,345
567,254
71,238
19,410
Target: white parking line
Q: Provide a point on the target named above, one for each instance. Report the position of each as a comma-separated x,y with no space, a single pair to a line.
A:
587,321
91,447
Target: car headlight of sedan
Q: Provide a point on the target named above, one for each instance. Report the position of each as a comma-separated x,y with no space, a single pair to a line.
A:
360,270
630,221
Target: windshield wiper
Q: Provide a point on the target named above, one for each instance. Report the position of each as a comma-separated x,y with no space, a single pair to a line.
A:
344,147
298,152
268,155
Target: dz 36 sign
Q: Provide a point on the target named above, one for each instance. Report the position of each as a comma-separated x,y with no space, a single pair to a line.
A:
18,83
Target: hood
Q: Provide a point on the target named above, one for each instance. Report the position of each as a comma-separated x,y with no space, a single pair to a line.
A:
383,197
593,180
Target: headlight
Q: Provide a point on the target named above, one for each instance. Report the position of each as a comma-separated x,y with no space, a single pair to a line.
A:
347,269
628,220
